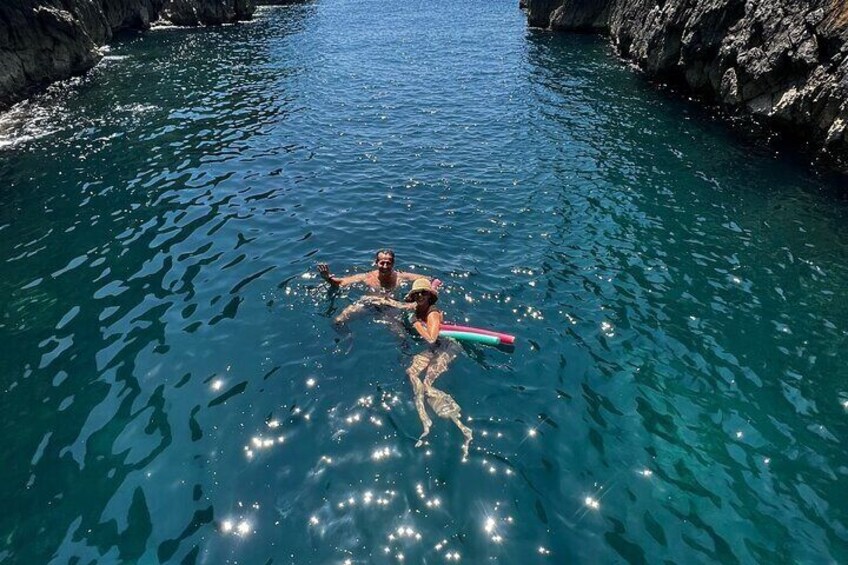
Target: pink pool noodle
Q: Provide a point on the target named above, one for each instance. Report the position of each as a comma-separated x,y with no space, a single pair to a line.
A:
506,339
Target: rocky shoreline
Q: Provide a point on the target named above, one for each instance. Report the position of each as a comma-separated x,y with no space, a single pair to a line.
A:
781,61
43,41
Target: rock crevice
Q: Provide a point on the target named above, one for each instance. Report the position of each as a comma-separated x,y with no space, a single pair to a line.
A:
782,61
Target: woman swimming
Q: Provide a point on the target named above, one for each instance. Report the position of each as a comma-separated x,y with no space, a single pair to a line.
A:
427,320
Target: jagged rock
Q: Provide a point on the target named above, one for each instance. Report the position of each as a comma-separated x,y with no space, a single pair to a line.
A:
206,12
539,11
39,43
780,60
586,15
730,87
42,41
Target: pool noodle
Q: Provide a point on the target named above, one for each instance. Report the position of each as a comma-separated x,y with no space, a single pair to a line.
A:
472,337
504,338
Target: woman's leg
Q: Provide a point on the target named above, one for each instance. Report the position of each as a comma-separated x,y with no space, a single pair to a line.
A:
446,407
419,363
466,431
442,403
443,357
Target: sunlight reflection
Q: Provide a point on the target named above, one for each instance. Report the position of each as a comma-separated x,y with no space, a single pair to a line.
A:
353,418
449,555
405,532
258,443
367,499
492,527
241,528
381,453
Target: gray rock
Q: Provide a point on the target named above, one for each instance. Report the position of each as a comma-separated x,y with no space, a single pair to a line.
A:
206,12
539,11
782,60
730,87
42,41
585,15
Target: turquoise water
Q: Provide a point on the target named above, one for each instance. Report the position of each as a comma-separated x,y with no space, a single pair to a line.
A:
173,389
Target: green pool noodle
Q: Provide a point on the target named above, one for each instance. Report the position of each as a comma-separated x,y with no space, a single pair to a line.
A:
472,337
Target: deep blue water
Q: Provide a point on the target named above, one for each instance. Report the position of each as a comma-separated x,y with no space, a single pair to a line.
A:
173,389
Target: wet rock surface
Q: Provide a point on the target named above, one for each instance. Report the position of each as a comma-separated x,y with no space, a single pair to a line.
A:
782,61
206,12
42,41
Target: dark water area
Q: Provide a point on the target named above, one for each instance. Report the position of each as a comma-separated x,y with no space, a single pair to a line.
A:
173,389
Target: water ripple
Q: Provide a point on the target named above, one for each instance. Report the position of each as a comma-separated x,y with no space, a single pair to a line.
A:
173,388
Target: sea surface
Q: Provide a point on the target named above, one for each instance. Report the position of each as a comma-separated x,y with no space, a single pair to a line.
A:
173,388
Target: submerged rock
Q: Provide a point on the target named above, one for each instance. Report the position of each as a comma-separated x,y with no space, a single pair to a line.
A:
780,60
42,41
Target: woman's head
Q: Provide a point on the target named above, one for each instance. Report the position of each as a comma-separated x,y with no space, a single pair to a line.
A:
422,292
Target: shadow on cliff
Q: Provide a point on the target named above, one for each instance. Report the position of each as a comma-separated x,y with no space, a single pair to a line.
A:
606,93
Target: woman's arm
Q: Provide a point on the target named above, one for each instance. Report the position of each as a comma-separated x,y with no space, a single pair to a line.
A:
430,331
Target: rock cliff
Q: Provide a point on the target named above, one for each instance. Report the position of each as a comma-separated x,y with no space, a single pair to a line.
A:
42,41
785,61
200,12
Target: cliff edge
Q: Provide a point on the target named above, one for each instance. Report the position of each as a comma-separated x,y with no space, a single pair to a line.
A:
780,60
42,41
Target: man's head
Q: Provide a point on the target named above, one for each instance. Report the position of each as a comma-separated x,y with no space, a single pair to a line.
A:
384,260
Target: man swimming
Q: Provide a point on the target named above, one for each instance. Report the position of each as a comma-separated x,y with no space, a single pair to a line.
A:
384,279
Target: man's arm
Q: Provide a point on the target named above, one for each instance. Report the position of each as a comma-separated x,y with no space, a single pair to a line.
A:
324,271
408,276
386,301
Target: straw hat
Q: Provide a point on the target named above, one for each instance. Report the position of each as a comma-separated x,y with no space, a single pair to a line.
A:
421,285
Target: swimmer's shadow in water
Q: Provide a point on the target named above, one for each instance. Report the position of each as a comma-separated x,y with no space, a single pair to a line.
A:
478,353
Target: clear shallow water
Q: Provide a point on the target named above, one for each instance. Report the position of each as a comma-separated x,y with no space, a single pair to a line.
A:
676,393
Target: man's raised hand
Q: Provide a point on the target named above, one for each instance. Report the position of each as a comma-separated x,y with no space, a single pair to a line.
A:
324,271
